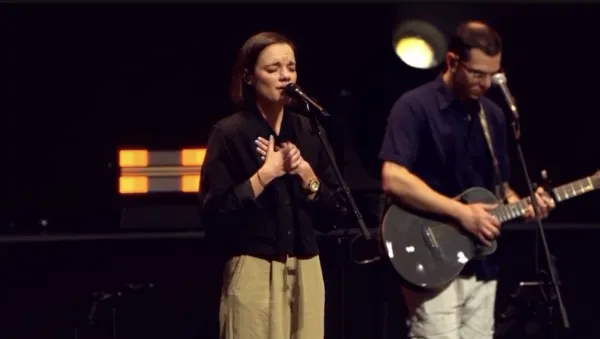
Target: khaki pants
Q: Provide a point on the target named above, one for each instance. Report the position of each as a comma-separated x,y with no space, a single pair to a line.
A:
463,310
264,299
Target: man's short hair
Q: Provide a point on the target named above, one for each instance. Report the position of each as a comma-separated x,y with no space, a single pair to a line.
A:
474,34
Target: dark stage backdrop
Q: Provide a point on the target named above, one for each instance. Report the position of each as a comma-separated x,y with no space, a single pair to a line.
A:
82,80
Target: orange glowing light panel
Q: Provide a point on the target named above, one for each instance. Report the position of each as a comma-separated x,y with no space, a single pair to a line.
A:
193,156
133,158
190,183
139,182
133,184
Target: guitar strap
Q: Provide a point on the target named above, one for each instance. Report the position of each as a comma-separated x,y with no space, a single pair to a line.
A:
500,193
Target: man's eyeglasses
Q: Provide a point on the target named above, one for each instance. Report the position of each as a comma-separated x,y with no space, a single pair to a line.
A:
477,74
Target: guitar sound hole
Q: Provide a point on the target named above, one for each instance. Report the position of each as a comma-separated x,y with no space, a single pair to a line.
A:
429,237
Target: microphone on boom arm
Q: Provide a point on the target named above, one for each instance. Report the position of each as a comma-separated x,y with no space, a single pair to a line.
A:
293,91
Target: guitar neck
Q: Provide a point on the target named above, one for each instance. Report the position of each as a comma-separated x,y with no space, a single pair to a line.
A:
561,193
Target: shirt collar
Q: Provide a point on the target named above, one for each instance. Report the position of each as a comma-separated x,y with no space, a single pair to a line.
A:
444,96
287,131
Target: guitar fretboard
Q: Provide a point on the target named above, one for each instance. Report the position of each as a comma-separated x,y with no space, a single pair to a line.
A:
561,193
568,191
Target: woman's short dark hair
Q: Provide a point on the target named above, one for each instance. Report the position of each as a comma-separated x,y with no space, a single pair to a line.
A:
474,34
243,93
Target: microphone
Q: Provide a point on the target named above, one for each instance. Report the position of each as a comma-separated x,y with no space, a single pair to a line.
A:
293,91
499,79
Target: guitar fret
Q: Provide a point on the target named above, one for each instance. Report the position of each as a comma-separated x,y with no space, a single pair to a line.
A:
508,212
565,195
514,210
522,207
500,213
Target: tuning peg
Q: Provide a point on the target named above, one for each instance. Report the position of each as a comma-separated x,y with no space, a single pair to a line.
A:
547,183
545,177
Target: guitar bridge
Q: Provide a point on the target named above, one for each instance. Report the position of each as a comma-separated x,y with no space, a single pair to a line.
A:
432,243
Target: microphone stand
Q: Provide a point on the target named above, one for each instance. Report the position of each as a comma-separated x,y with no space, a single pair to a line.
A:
338,174
344,187
543,283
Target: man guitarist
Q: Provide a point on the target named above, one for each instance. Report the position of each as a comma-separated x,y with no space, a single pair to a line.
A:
434,148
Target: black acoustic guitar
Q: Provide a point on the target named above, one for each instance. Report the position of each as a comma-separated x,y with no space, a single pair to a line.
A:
429,252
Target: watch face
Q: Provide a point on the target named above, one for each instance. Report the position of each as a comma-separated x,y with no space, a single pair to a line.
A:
313,185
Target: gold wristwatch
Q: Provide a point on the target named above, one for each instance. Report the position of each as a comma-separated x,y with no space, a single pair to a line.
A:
313,185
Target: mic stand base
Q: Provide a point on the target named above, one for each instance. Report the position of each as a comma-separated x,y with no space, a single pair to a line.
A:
553,279
530,314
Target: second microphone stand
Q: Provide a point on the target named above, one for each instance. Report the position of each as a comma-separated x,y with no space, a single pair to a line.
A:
547,280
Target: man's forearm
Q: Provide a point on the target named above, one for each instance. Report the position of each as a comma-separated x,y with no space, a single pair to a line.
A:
400,183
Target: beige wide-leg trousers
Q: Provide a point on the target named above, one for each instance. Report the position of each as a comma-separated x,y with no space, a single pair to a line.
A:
272,299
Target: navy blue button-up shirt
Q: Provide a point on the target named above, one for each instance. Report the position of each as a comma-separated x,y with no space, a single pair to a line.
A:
441,140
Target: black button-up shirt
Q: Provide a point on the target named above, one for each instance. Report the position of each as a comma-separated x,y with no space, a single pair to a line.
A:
441,140
281,220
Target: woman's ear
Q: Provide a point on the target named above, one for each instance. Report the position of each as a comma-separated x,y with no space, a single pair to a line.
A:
247,77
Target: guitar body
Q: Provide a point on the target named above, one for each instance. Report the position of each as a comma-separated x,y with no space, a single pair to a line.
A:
429,252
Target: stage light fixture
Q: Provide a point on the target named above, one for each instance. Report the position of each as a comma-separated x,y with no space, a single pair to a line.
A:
415,52
419,44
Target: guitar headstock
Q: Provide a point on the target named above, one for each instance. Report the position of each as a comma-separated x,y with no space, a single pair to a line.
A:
596,179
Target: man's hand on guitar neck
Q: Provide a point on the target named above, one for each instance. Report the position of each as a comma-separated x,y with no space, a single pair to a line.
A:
477,219
545,202
544,199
